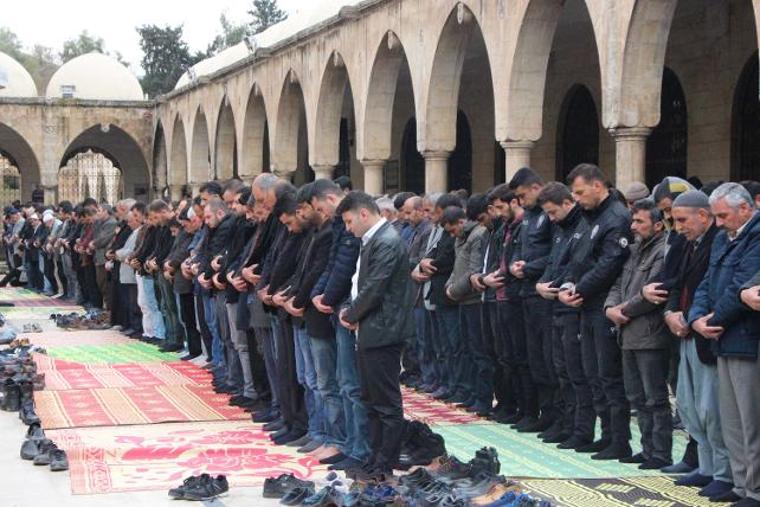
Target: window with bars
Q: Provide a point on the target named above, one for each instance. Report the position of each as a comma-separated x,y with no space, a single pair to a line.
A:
90,174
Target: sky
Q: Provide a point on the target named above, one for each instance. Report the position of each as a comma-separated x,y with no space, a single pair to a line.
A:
51,22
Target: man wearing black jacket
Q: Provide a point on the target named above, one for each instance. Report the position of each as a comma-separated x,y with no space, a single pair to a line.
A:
697,392
118,291
576,423
529,260
595,266
435,269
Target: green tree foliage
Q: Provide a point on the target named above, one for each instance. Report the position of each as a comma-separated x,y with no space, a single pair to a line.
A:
230,35
166,56
265,13
82,44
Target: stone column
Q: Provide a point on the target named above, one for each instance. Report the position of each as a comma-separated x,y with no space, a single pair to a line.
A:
51,194
436,171
517,156
630,155
373,176
323,172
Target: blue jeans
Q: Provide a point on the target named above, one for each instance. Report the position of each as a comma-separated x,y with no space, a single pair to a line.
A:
446,341
325,353
217,351
357,440
307,377
153,319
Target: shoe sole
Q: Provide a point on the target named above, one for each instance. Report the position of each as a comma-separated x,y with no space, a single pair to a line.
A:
204,498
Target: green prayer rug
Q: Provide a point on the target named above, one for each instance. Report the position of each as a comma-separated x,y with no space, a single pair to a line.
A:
115,353
524,455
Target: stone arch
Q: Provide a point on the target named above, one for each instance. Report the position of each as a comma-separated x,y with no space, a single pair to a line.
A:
527,82
178,176
291,137
460,79
577,132
745,124
390,108
19,151
225,144
646,44
160,160
200,154
121,149
255,150
335,96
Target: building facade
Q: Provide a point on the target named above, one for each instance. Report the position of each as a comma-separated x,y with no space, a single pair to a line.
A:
431,95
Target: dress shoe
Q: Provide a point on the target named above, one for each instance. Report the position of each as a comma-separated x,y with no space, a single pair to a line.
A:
171,347
637,458
525,422
189,357
727,497
300,442
274,425
335,458
266,416
716,488
537,427
747,502
614,451
310,447
345,464
512,418
243,401
554,429
279,433
441,393
678,468
278,487
297,496
58,460
694,479
653,464
556,439
596,446
289,437
573,443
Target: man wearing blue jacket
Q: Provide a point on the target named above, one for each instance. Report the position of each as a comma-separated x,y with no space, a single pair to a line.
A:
718,313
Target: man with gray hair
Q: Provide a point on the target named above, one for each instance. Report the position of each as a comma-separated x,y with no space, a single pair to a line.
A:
719,314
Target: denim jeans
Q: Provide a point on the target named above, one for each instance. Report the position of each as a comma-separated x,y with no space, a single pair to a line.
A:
325,355
209,313
357,439
307,377
153,320
448,336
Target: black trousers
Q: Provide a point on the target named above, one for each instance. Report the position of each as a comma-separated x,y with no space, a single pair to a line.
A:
602,362
90,287
503,380
516,355
14,273
291,394
379,370
118,302
187,314
538,318
133,313
49,267
205,331
583,415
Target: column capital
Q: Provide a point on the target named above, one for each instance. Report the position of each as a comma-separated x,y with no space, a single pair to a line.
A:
436,154
630,132
373,163
517,145
323,171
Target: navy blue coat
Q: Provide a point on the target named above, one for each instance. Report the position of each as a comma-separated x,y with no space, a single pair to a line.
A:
335,282
732,263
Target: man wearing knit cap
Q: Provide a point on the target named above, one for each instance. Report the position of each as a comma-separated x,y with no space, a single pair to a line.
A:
697,391
635,191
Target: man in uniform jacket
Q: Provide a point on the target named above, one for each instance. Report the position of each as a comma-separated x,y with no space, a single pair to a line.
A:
380,310
595,266
528,262
644,338
576,425
720,313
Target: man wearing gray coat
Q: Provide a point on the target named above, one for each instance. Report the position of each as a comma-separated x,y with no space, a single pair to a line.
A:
644,338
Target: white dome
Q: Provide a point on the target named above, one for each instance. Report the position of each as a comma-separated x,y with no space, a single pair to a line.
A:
18,81
94,76
302,19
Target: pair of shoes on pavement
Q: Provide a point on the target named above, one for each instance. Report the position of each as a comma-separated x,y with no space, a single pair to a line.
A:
200,488
43,451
